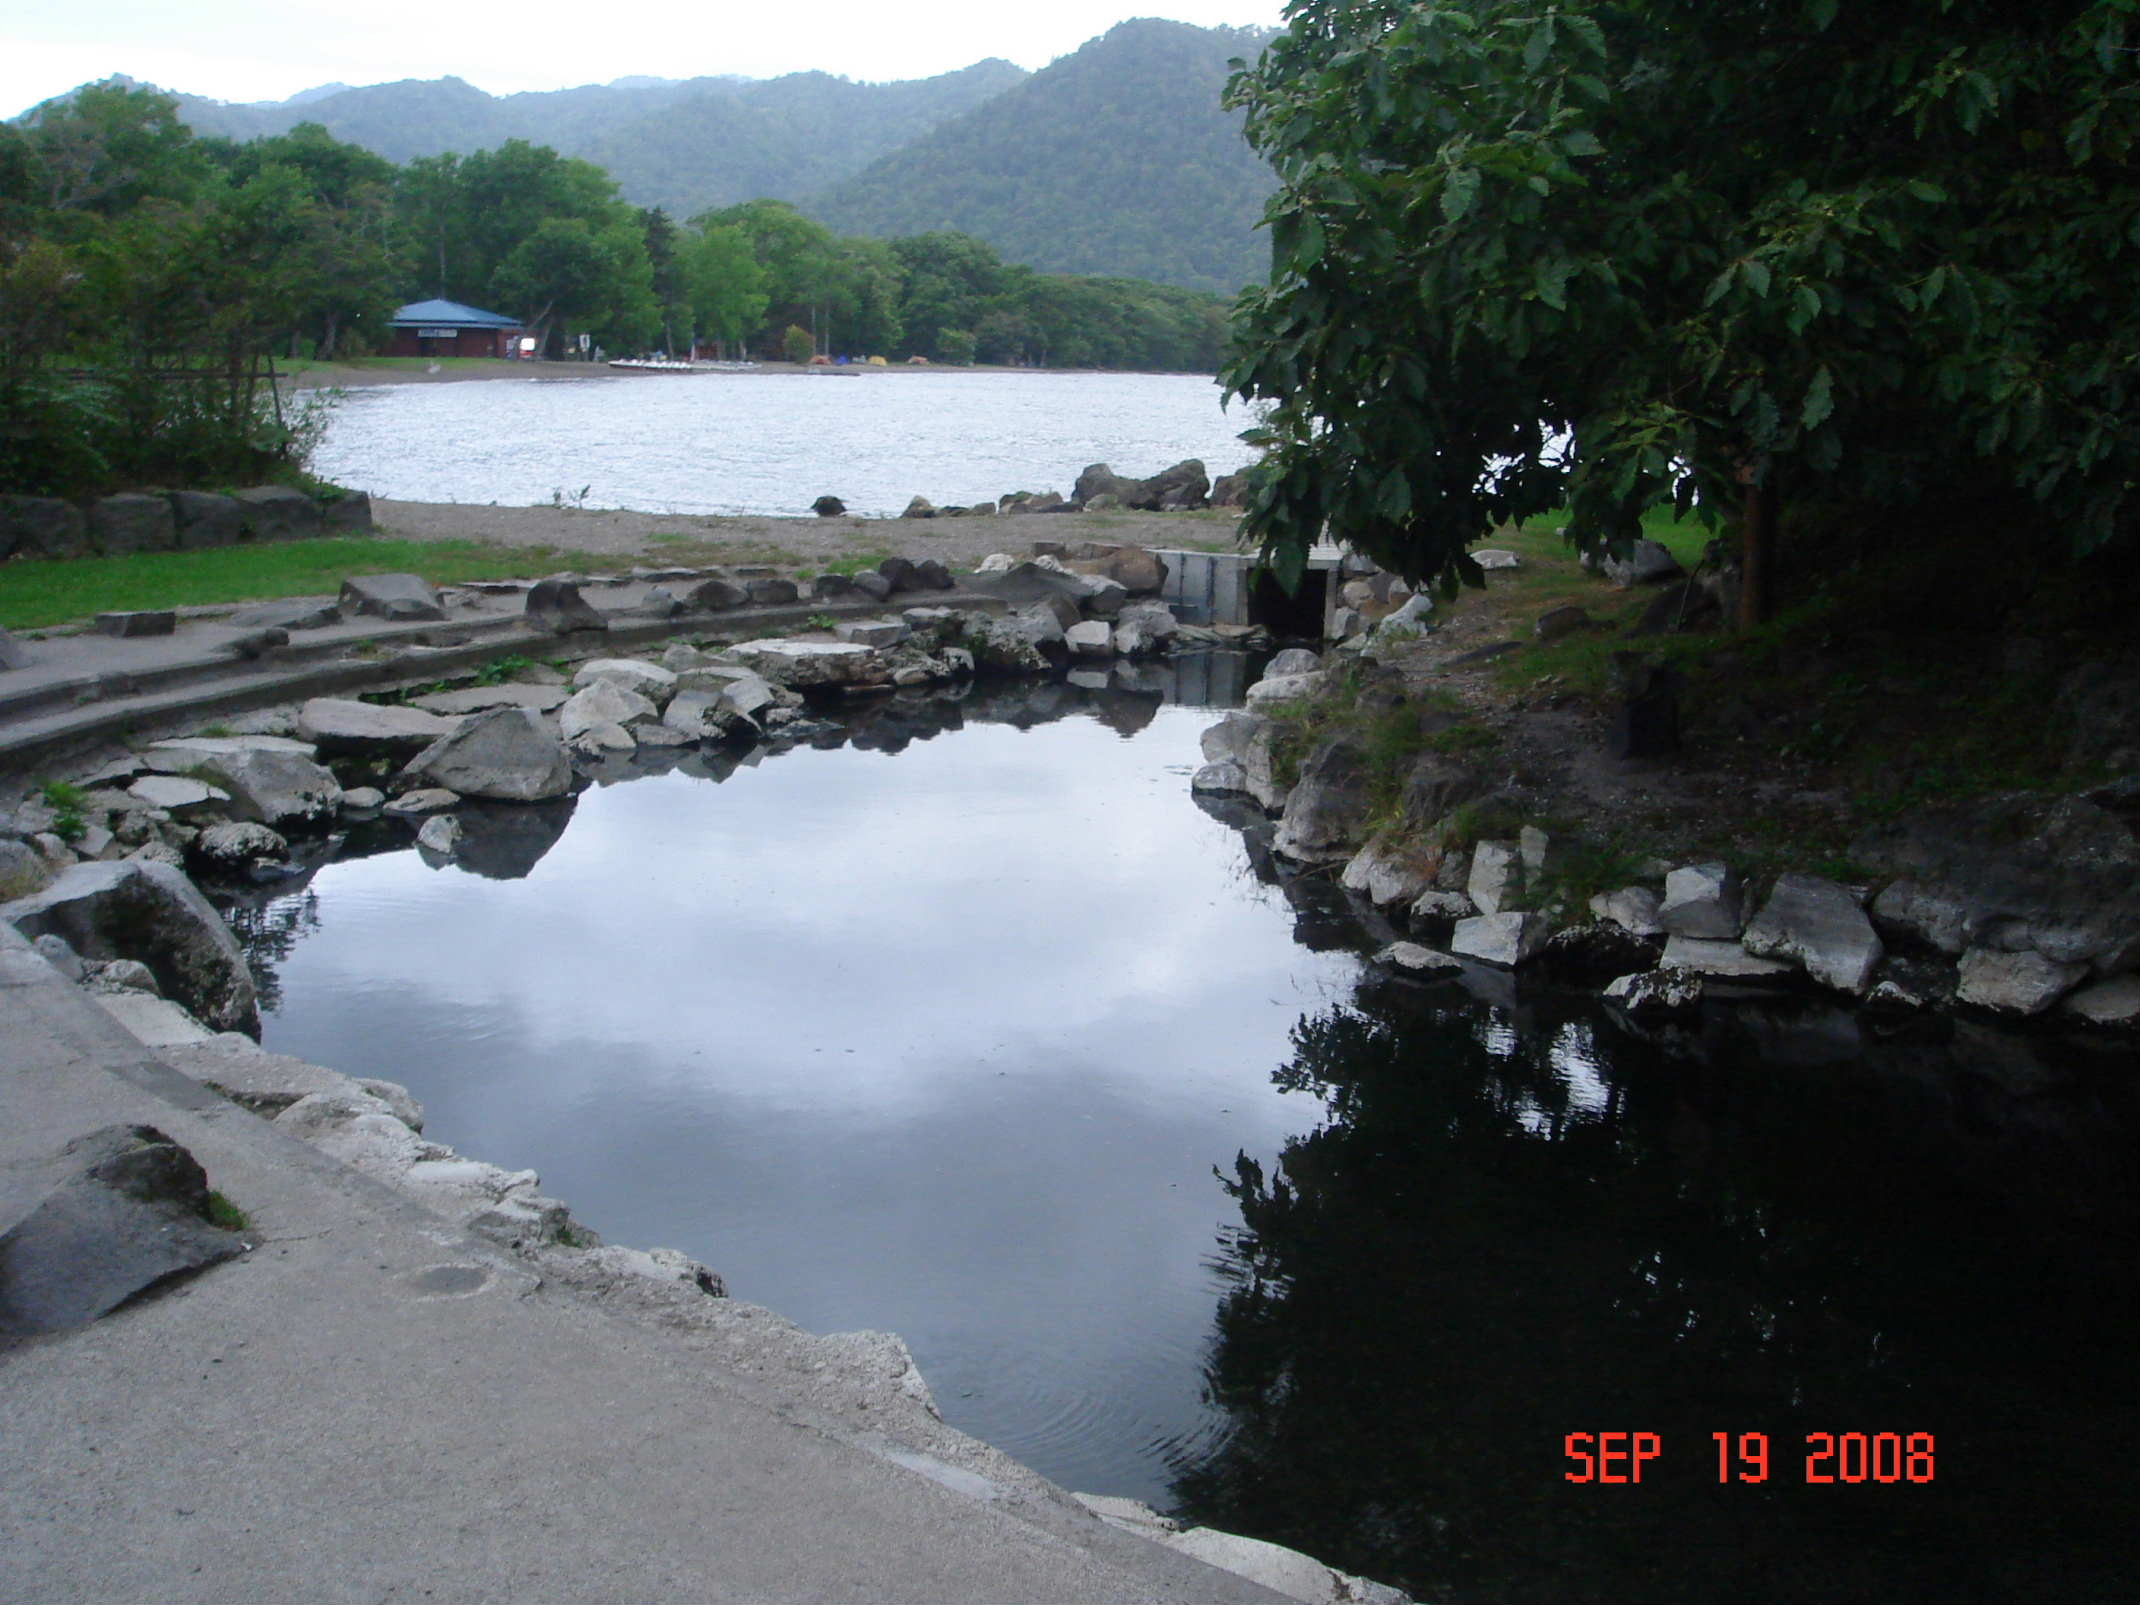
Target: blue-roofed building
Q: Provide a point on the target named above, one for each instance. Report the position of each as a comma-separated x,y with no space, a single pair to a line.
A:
448,329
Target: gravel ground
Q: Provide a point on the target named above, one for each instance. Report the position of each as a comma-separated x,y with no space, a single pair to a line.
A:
691,537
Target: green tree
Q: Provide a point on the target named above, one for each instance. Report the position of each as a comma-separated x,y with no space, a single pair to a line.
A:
724,287
1803,263
796,345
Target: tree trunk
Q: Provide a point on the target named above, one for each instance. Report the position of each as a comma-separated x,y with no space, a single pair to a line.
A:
1757,551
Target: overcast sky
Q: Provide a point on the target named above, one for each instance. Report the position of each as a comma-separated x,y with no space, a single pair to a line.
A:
269,49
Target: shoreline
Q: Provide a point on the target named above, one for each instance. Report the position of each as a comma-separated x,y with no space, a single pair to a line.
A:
361,372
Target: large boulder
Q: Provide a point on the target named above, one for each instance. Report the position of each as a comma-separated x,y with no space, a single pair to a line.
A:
716,595
401,597
271,779
277,513
604,702
23,869
483,698
41,526
1646,563
138,909
507,755
650,680
1505,939
345,512
342,727
2015,982
1326,811
1821,927
13,654
1100,480
1702,901
1391,869
1136,570
203,519
132,521
802,664
297,613
557,606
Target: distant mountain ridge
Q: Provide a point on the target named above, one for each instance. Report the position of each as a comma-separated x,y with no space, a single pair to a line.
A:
1115,160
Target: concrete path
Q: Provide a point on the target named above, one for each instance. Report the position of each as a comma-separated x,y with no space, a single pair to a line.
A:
371,1405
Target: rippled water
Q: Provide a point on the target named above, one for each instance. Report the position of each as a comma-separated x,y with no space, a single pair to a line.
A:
971,1025
772,443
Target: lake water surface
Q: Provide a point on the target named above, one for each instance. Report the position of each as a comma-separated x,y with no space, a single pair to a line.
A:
772,443
971,1025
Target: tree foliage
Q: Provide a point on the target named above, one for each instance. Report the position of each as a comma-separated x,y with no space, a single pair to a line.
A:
1614,253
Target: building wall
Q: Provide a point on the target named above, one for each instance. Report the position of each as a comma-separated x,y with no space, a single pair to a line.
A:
409,342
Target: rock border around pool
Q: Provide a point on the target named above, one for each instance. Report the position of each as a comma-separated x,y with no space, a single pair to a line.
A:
174,521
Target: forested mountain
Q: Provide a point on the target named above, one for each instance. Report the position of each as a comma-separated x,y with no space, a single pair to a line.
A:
684,146
1117,159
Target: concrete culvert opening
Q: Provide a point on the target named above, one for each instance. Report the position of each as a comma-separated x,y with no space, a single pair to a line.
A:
1299,616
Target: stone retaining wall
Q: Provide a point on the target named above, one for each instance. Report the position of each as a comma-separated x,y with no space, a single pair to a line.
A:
173,521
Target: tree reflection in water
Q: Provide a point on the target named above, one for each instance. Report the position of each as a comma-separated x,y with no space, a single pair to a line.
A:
1515,1226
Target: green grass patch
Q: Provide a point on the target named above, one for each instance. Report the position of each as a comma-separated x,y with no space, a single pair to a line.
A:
221,1212
856,562
48,591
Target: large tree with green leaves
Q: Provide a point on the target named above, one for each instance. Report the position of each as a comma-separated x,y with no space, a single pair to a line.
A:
1838,265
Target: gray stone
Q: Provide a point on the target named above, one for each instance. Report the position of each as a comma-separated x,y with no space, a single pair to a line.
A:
1414,959
650,680
258,643
1702,900
772,593
483,698
298,613
604,702
1632,908
1228,739
421,803
132,522
932,575
348,512
2112,1002
1647,563
1506,939
270,784
1438,905
1390,869
716,595
23,869
1492,558
828,507
873,632
13,654
1326,811
1259,761
509,754
696,713
873,585
1495,884
180,796
132,1215
150,912
1220,777
439,834
832,588
361,801
1273,690
1663,991
558,607
239,845
341,727
807,663
1724,960
1293,660
277,513
2015,983
155,621
203,519
400,597
1042,623
183,753
1405,623
1935,917
60,954
42,526
126,975
1557,623
1093,638
1820,926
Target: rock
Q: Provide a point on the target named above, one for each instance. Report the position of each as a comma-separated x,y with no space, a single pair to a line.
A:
772,593
1094,638
23,870
1646,722
695,713
1662,991
1632,908
1220,777
1496,883
1647,563
125,975
127,625
2015,982
1259,761
828,507
1405,623
1492,558
440,834
344,511
1043,624
604,702
902,574
1326,811
13,654
832,588
1100,480
558,607
178,795
1276,689
41,526
873,585
132,522
1724,960
299,613
239,845
1938,918
1435,786
1416,960
132,1215
1022,502
201,519
1183,486
400,597
1346,623
362,801
1227,741
149,912
1390,869
1506,939
1702,900
277,513
276,784
1293,660
254,644
1138,571
483,698
932,575
1821,927
650,680
60,954
2112,1002
803,664
1437,906
873,632
418,804
1230,490
919,507
1557,623
508,754
339,727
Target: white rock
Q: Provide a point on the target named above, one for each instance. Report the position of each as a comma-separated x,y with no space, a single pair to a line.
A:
1091,638
1933,916
363,800
1632,908
1656,991
873,632
1293,660
178,795
1224,776
1387,870
344,725
510,754
2014,983
1724,960
806,663
1495,883
650,680
1416,959
1701,900
2112,1002
604,702
483,698
416,804
153,1021
441,833
1443,906
1280,688
1505,939
1535,848
1489,557
1821,926
1229,738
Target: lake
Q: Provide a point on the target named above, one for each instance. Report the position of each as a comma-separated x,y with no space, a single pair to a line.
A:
745,443
967,1022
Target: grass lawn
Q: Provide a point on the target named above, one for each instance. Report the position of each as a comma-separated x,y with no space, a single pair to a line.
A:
47,591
